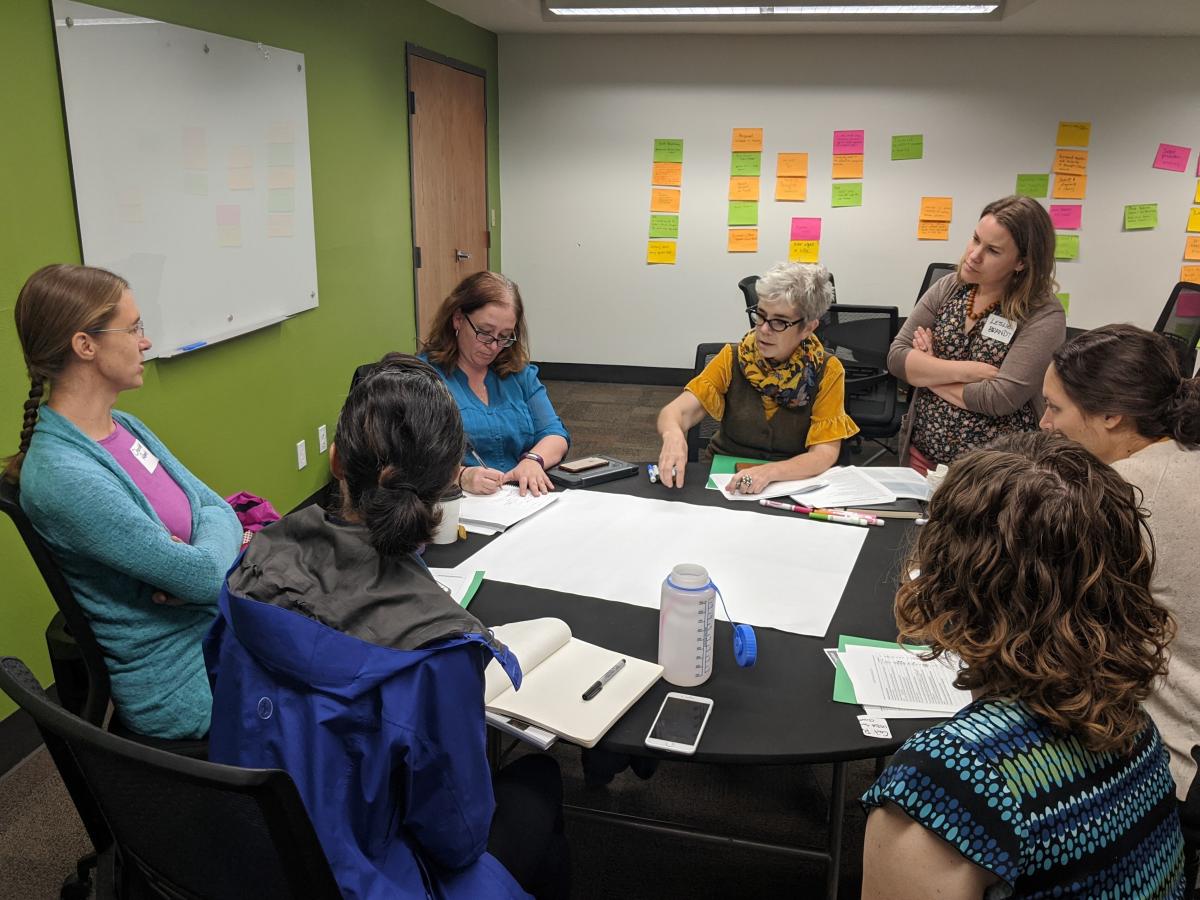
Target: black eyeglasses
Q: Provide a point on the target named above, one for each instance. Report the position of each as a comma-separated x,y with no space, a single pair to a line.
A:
757,318
138,329
487,338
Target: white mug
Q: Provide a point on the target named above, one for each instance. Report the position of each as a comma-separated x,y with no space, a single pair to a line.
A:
447,531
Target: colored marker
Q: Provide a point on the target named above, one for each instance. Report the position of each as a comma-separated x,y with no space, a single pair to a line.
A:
810,513
196,346
652,471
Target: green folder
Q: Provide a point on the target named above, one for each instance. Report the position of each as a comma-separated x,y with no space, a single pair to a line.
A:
726,465
472,588
843,687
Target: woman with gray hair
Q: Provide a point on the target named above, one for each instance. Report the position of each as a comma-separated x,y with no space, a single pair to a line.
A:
777,394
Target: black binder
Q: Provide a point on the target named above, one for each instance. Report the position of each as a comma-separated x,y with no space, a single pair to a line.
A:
615,469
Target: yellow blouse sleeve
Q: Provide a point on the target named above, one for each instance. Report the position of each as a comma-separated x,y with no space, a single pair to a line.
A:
711,385
829,419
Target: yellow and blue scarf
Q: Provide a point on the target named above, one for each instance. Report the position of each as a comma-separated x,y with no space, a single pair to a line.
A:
792,383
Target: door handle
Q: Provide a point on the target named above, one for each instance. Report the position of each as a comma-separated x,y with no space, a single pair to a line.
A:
460,255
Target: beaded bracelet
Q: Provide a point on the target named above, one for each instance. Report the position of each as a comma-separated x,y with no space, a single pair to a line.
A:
537,459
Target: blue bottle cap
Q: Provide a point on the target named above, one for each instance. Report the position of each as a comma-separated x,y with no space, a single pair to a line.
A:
745,646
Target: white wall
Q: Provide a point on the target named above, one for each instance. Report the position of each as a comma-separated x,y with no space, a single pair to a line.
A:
578,116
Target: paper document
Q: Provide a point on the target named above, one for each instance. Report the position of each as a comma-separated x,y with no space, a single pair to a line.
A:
899,678
847,486
459,585
804,487
902,481
502,509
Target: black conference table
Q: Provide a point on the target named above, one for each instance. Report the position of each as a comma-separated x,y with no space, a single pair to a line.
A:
779,711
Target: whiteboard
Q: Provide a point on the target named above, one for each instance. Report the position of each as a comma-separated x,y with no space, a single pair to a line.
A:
189,153
579,115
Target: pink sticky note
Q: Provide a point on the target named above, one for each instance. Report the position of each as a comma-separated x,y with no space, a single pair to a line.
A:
806,229
1172,157
1066,216
229,214
848,141
1187,304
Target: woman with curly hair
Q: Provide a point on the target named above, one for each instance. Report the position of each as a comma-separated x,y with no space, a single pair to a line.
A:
1034,570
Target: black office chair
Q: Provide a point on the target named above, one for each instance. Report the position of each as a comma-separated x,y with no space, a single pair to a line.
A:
184,828
1180,323
935,272
750,292
699,435
860,337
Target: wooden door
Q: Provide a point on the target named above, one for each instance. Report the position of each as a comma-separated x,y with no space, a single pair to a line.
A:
448,134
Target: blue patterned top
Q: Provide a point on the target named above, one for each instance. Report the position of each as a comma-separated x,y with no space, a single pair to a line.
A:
1039,810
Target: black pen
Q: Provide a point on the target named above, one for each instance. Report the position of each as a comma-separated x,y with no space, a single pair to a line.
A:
604,679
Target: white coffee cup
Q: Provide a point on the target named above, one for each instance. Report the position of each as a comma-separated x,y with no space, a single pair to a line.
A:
447,531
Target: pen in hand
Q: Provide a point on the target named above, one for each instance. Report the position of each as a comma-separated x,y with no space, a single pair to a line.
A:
604,679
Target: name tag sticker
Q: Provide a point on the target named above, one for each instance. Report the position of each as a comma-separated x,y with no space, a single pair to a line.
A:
999,328
144,456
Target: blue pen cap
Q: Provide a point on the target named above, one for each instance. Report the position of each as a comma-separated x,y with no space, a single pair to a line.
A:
745,646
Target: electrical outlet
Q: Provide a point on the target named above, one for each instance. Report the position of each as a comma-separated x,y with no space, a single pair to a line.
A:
322,439
493,218
301,455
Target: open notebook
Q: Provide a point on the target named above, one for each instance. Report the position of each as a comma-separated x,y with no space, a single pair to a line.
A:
557,669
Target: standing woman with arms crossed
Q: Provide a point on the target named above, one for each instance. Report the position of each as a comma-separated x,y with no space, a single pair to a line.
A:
978,342
478,343
142,542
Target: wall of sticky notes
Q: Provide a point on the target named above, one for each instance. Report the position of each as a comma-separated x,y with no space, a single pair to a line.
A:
871,155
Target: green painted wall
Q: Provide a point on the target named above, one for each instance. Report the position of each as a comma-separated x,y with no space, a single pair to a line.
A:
235,411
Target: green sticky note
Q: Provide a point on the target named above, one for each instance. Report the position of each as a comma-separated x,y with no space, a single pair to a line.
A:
281,154
743,212
668,150
727,465
1065,300
1141,215
664,226
847,194
843,687
745,162
1066,246
908,146
1033,185
281,200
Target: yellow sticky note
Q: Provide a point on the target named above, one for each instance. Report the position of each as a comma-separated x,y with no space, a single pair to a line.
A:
1070,187
241,178
791,188
795,165
667,173
1074,134
847,165
1190,273
804,251
937,209
664,200
1192,250
1070,162
1194,219
928,230
660,252
743,187
1196,199
747,140
743,240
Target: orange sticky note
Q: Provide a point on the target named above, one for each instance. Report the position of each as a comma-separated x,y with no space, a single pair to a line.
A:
743,187
747,140
804,251
743,240
1190,273
1070,162
795,165
667,173
928,230
847,165
791,188
1194,219
660,252
1070,187
1192,250
937,209
664,200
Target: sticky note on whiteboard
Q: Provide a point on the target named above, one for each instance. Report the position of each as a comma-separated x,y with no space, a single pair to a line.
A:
806,229
1066,216
1172,157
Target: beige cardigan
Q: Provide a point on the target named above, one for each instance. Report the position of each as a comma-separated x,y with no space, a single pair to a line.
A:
1168,475
1021,373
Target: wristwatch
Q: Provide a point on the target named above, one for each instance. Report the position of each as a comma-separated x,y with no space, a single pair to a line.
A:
537,459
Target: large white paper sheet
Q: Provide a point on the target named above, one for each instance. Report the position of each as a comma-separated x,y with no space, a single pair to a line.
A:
773,571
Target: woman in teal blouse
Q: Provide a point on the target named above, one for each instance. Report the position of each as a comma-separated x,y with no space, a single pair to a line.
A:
478,344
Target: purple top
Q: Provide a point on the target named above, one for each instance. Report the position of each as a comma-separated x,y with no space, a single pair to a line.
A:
167,498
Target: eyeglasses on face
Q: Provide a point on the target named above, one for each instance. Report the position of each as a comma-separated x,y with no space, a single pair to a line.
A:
487,338
137,329
757,318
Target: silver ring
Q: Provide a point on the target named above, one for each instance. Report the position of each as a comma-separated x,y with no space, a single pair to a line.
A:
747,481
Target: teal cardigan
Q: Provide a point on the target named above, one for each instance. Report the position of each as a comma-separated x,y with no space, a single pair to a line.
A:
115,552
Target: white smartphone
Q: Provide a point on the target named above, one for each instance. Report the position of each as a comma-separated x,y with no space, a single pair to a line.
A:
680,723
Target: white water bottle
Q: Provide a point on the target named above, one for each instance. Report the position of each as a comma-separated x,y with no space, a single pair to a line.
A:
685,625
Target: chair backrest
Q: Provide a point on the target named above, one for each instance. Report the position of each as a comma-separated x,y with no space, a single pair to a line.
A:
860,337
187,827
750,292
933,273
95,705
1180,322
699,435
